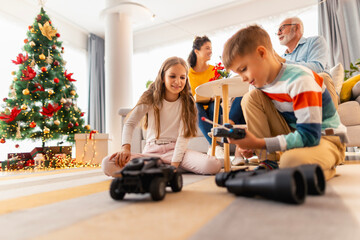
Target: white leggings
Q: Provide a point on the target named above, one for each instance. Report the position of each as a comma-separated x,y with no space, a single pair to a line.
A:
193,161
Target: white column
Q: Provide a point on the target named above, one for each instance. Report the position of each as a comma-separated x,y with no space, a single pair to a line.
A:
118,72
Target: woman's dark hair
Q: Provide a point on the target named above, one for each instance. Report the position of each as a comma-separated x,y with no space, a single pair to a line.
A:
197,44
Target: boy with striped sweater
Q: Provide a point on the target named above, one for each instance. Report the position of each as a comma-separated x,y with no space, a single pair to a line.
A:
288,110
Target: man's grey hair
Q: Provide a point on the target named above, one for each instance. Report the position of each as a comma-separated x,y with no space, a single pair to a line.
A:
296,20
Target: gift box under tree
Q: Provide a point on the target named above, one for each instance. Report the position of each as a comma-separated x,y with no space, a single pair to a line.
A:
91,148
51,152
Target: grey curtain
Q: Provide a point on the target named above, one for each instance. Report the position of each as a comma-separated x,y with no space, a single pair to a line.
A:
96,54
339,23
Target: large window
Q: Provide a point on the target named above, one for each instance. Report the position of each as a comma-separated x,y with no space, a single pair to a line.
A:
146,64
11,44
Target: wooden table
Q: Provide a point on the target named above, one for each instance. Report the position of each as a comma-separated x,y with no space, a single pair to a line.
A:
223,88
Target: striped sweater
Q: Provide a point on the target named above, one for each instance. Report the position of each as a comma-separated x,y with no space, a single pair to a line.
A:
301,97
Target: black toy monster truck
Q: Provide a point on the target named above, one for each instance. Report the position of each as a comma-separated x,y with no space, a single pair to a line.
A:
143,175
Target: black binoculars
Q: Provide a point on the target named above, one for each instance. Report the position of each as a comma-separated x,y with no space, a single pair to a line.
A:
289,185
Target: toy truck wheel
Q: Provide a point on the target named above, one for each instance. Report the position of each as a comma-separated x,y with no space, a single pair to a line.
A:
176,183
115,193
157,189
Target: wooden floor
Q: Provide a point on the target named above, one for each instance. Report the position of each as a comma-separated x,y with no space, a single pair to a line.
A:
75,204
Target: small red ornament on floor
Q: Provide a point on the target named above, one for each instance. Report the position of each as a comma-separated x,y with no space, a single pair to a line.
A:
17,145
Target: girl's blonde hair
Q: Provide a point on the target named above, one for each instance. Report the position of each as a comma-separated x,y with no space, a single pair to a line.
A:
155,94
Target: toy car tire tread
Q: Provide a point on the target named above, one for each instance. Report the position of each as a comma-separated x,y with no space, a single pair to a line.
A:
176,183
157,189
114,190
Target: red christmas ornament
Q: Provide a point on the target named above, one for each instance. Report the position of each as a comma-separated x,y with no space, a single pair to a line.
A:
82,114
17,145
5,99
70,125
2,140
38,18
32,124
43,69
50,22
26,41
30,27
56,63
57,34
76,124
53,46
56,80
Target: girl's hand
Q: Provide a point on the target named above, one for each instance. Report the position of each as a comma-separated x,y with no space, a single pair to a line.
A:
249,142
122,157
175,164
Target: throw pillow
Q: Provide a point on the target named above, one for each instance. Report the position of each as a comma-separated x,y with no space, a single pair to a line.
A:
337,74
355,91
347,86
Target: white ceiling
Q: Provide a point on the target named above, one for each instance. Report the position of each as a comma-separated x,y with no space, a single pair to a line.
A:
175,19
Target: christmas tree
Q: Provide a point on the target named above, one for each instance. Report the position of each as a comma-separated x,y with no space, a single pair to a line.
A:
42,99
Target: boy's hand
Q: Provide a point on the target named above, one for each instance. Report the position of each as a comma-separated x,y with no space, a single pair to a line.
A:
247,153
248,142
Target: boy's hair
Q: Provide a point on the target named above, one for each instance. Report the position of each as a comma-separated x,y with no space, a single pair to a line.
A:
245,41
156,93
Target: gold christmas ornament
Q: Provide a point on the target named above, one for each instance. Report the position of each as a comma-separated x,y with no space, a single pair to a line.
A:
32,44
73,92
51,92
46,130
26,91
15,79
47,30
67,86
87,127
57,122
42,56
32,30
13,72
24,107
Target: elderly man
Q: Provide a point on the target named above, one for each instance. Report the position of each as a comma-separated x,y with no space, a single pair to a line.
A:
310,52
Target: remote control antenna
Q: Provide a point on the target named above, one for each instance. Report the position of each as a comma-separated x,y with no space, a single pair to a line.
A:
211,122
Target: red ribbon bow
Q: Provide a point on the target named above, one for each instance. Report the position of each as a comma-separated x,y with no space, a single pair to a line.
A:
68,76
91,133
50,110
29,73
21,59
11,117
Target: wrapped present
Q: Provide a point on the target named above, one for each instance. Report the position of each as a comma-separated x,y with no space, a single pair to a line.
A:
20,156
91,148
49,152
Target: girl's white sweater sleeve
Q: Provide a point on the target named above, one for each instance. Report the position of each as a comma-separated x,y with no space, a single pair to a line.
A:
180,146
133,120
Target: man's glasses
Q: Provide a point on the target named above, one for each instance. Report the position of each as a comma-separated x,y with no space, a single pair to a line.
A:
282,28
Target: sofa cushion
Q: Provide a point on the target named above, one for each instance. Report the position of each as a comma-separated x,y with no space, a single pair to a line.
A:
355,91
349,113
345,94
337,74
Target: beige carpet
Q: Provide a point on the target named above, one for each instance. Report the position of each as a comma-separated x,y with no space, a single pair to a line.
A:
75,204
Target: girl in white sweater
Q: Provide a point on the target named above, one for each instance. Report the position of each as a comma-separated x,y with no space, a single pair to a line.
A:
169,116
